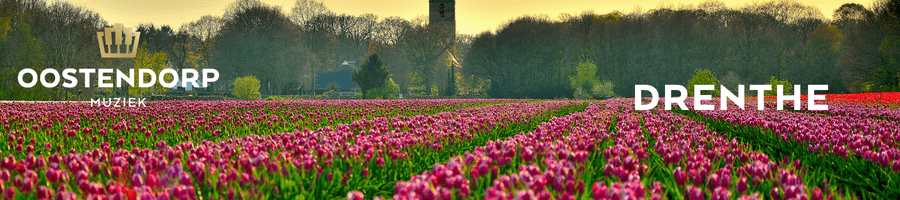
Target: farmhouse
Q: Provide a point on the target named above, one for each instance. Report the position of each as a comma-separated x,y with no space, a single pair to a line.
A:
339,80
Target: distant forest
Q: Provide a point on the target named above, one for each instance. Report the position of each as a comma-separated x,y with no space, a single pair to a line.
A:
857,49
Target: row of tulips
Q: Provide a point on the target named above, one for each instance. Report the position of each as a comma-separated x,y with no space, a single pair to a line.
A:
883,98
709,164
891,99
846,136
308,163
858,154
547,163
47,128
575,157
626,164
854,110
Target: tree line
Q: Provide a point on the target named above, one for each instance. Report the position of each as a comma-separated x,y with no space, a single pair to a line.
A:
856,50
284,50
37,35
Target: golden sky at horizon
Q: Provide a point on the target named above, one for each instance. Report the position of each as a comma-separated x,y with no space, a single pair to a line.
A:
472,16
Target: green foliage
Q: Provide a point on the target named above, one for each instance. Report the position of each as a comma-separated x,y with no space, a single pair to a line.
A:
274,98
829,35
788,88
155,62
703,77
587,83
280,98
890,47
609,18
260,40
20,49
651,51
388,90
469,85
451,89
822,51
246,87
584,78
4,28
889,73
371,75
585,75
603,89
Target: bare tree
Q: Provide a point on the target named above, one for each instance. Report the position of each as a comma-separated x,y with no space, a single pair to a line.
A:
260,41
391,29
424,47
203,29
388,33
68,31
240,5
305,10
852,11
786,10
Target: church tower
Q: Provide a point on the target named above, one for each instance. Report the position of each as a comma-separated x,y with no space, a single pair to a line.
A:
443,13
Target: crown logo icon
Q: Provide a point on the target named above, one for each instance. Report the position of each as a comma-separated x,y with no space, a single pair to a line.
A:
118,42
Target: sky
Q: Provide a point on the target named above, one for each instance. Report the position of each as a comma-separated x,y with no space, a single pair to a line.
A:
472,16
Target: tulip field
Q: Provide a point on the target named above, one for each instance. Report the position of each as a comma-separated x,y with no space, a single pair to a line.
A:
448,149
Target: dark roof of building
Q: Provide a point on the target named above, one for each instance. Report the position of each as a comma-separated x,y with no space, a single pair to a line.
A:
342,77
